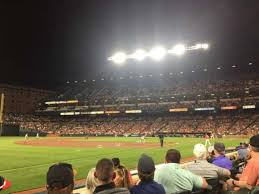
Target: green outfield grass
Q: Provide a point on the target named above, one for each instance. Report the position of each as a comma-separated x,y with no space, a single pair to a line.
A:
26,166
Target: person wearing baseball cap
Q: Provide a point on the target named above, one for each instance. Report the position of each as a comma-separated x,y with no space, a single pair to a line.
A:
250,175
202,167
146,170
60,179
4,184
220,159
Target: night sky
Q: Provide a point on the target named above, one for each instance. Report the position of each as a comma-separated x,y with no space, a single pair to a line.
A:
45,42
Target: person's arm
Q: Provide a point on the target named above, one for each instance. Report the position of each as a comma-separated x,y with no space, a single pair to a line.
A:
223,172
240,184
199,182
252,177
205,185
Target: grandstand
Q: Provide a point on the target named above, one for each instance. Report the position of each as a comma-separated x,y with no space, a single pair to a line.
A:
148,105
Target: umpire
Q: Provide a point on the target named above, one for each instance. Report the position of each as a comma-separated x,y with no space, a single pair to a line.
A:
161,139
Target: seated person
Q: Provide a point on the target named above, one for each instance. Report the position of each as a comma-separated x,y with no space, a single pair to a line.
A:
202,167
242,152
146,170
238,147
123,177
91,182
219,158
60,179
4,184
104,173
175,179
250,176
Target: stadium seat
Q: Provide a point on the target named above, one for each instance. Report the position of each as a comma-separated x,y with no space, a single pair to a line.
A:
215,184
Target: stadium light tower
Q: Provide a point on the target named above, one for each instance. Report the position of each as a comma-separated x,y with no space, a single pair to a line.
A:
157,53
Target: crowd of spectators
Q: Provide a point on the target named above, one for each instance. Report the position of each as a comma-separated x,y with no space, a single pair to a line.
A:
226,124
132,88
157,94
210,172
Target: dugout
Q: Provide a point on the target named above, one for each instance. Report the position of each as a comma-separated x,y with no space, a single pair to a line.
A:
9,130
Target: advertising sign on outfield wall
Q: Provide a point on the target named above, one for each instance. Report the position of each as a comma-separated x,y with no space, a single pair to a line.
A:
133,111
228,107
203,109
249,107
178,109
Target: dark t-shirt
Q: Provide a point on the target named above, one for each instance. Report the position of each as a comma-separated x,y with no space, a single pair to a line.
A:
147,188
161,137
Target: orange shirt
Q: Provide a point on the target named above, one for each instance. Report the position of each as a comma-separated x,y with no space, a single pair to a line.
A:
251,172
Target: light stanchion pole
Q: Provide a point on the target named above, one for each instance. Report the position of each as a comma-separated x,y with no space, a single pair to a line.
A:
1,113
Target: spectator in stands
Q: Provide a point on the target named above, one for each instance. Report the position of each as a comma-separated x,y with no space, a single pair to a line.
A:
242,152
91,182
238,147
60,179
104,172
147,185
174,178
220,159
123,176
4,184
202,167
250,176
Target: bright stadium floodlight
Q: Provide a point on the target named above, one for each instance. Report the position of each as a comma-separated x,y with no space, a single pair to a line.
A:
139,55
205,46
198,46
178,49
157,53
119,57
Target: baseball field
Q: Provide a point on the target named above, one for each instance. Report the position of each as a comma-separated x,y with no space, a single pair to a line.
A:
25,163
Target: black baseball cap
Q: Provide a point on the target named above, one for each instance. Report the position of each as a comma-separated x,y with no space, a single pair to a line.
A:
146,164
60,175
219,147
254,141
4,184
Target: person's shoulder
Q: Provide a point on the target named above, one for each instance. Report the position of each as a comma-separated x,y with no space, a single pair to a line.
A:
164,167
253,162
121,191
134,188
158,185
203,165
227,159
